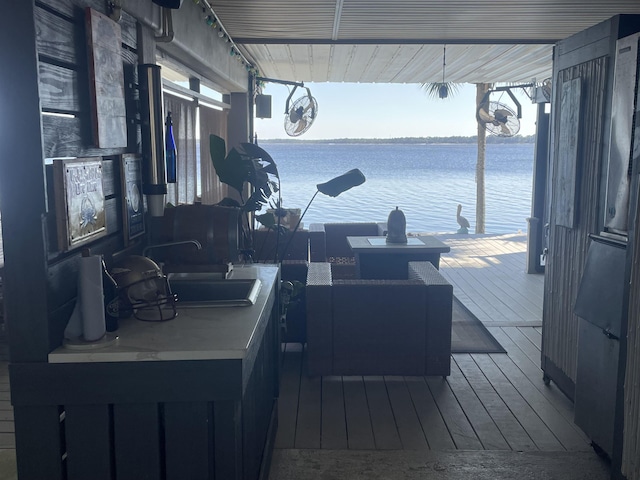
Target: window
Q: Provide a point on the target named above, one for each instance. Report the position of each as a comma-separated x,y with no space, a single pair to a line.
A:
195,116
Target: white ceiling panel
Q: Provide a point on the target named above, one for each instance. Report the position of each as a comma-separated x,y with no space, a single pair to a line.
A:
401,41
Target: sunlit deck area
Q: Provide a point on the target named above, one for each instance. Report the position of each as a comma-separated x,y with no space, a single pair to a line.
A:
490,401
488,274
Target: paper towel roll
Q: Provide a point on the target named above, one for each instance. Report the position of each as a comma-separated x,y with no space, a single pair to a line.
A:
91,297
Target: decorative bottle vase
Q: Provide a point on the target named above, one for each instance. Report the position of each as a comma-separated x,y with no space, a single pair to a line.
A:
396,227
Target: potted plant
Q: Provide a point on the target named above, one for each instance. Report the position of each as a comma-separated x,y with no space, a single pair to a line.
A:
247,164
250,164
288,217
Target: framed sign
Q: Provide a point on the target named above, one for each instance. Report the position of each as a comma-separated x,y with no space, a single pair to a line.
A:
106,80
79,197
133,204
567,158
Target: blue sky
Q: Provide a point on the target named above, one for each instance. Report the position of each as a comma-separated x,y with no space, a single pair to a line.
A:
366,110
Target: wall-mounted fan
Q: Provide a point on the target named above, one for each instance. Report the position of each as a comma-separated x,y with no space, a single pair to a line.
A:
498,119
300,114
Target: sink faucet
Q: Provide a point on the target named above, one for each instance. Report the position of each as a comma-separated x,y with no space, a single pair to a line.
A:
146,249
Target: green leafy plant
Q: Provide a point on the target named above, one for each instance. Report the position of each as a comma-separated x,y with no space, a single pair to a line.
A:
246,164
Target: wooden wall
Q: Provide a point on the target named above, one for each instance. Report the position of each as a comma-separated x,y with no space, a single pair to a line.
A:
568,246
589,56
629,407
43,46
64,88
51,49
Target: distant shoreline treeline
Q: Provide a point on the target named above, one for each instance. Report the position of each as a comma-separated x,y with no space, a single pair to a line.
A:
408,140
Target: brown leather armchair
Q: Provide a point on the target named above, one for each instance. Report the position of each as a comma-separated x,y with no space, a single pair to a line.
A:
378,327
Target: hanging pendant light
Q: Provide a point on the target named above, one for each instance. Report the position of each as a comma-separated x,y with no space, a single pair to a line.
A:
443,91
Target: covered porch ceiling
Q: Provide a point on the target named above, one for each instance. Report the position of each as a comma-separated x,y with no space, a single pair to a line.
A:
402,41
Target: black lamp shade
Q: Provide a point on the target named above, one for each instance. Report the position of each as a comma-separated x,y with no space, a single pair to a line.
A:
344,182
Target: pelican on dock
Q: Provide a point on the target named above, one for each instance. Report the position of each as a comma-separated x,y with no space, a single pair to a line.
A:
463,222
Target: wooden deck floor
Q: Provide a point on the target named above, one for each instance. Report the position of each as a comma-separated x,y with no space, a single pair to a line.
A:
490,401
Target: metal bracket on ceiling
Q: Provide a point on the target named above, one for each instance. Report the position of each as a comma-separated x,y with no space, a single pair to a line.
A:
287,82
510,93
282,82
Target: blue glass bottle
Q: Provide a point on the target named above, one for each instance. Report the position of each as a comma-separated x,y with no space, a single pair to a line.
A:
170,150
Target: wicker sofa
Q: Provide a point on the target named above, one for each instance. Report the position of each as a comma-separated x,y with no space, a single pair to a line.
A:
378,327
265,243
328,243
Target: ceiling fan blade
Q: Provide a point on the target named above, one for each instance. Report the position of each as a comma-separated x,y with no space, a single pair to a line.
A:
302,124
505,129
484,116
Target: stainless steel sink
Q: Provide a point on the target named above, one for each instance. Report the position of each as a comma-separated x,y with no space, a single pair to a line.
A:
208,290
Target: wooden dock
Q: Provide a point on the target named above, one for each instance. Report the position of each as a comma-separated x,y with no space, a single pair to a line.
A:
490,401
488,276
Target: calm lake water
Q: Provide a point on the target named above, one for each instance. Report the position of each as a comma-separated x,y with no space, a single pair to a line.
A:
426,182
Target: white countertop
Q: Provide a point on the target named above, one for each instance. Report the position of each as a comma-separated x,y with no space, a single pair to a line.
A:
195,334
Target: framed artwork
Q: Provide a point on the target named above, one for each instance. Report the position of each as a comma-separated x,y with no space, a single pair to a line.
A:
133,204
106,80
79,198
567,157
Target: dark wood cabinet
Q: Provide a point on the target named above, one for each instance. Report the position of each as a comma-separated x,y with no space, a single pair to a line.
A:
207,418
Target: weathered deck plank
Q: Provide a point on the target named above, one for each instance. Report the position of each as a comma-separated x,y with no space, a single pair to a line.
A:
288,400
524,344
359,430
515,435
483,424
409,428
461,430
309,423
334,427
488,275
528,418
562,428
383,423
533,335
533,373
433,426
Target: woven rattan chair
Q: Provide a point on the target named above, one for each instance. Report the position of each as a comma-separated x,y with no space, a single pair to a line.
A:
328,243
378,327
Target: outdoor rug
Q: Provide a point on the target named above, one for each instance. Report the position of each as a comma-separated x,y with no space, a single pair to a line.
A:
469,335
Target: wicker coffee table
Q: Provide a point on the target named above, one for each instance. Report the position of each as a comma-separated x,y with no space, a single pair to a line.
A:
376,259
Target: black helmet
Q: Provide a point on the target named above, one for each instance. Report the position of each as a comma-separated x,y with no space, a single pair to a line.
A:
142,290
